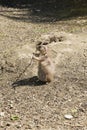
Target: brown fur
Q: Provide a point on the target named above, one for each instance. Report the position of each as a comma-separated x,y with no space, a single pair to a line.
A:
45,67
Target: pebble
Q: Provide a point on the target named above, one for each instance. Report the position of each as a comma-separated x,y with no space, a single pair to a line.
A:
68,116
18,126
2,124
2,114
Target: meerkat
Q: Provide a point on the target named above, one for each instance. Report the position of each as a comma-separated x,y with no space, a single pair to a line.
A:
46,69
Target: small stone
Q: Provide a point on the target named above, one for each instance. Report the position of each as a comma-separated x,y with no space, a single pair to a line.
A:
2,114
11,106
68,116
18,126
2,124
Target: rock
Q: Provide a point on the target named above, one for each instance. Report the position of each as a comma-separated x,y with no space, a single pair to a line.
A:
11,106
68,116
2,114
2,124
19,126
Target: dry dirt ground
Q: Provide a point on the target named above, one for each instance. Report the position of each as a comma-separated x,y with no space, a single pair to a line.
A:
31,105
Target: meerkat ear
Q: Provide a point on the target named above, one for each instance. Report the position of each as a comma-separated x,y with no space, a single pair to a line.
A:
39,43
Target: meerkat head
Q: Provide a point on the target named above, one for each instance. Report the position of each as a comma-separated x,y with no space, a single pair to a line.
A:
43,49
39,44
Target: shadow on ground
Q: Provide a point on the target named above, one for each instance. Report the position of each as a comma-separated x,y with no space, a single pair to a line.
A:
42,10
33,81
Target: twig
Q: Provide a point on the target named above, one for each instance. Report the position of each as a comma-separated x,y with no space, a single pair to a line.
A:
76,125
22,72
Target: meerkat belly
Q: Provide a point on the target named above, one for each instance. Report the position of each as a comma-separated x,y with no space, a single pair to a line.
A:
45,71
41,73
